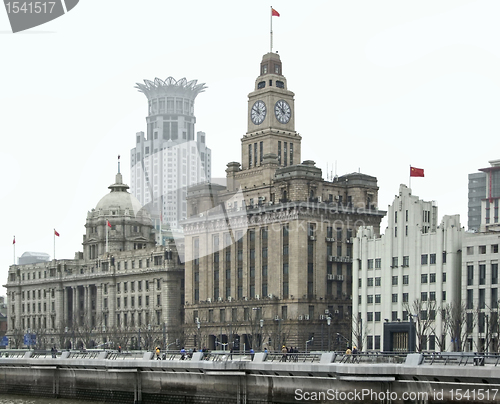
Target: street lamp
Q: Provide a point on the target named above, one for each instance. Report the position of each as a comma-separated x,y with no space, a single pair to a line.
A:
346,340
198,325
261,334
309,342
328,323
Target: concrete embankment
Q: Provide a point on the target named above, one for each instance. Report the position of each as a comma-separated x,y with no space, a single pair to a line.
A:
218,379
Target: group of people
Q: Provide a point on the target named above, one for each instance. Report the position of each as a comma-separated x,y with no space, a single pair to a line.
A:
289,352
352,351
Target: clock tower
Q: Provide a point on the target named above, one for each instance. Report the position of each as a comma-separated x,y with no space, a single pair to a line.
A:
271,118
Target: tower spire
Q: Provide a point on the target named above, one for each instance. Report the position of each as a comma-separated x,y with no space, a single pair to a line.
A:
118,164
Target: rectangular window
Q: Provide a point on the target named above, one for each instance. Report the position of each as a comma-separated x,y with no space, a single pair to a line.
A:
370,264
394,262
369,282
377,298
394,297
406,261
423,278
378,263
494,273
394,280
432,278
378,281
423,259
470,275
406,279
423,296
482,274
433,258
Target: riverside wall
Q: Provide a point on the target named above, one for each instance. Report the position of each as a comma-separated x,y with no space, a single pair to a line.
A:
242,380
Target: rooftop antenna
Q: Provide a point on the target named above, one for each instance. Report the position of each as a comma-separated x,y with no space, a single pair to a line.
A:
118,164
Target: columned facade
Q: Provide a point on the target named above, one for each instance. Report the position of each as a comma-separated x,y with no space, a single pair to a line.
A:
119,286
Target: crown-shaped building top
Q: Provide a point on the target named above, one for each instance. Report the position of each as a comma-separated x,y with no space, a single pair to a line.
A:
171,86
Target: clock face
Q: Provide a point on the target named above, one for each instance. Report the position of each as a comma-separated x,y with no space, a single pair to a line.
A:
282,111
258,112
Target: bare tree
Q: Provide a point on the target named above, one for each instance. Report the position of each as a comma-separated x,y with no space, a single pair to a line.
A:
459,322
359,332
41,337
17,338
423,315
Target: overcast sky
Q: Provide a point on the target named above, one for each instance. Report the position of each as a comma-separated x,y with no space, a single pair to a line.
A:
379,85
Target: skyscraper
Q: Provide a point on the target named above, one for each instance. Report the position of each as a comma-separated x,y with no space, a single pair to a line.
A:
168,159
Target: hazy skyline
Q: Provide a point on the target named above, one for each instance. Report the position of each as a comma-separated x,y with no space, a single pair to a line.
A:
378,86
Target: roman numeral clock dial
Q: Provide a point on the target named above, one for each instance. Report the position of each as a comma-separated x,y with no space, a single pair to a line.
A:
258,112
282,111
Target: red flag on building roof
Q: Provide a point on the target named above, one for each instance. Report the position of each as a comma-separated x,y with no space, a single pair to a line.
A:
274,13
56,233
416,172
14,241
107,222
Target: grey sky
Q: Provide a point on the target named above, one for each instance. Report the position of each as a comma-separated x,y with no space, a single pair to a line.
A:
378,86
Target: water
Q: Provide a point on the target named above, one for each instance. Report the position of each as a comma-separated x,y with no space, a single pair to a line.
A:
6,399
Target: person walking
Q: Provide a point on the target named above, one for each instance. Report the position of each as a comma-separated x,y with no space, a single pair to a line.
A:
158,352
284,351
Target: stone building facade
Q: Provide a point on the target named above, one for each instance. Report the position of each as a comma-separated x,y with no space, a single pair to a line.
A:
120,286
269,255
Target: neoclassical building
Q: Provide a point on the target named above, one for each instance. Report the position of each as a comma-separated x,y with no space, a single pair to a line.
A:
269,254
122,289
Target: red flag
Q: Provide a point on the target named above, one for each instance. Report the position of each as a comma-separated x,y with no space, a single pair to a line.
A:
14,241
416,172
107,222
56,233
274,13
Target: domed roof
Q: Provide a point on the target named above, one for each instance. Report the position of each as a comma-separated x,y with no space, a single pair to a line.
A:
119,201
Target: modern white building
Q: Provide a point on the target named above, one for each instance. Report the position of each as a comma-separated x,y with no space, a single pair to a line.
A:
480,268
404,280
168,158
480,291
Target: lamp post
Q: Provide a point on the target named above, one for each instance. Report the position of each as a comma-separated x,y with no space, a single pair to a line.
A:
309,342
198,325
261,334
346,340
328,323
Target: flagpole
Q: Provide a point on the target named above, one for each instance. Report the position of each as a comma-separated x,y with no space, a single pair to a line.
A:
54,243
409,181
14,245
271,50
